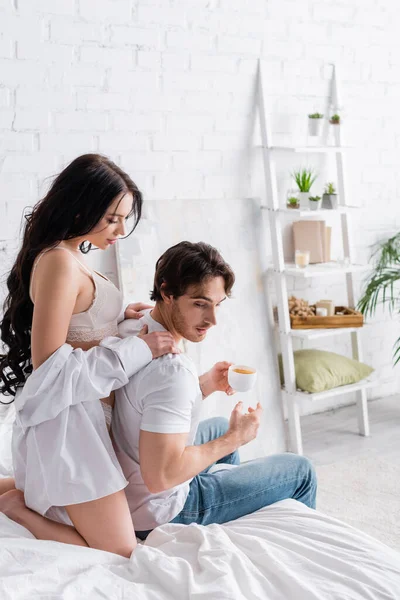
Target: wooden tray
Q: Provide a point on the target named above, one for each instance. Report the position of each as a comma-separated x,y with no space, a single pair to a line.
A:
350,318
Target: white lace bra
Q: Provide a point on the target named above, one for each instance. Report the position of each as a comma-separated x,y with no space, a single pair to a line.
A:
102,317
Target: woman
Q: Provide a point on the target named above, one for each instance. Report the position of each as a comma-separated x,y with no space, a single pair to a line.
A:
63,458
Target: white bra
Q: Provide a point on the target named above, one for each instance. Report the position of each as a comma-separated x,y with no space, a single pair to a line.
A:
102,317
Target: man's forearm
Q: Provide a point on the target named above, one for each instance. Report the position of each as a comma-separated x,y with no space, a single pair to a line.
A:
195,459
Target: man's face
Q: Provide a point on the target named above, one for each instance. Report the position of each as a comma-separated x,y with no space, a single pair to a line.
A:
194,313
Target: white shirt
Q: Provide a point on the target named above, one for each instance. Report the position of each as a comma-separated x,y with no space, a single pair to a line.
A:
62,452
164,397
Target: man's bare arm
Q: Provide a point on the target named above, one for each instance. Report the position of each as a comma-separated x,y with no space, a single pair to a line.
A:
165,461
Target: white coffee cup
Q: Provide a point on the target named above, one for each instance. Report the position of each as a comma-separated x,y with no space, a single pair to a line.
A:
241,382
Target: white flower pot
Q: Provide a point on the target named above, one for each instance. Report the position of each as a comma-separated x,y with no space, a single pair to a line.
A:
315,205
303,199
314,126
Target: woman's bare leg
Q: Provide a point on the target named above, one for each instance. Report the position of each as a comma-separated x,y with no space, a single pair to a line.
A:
12,504
6,485
105,524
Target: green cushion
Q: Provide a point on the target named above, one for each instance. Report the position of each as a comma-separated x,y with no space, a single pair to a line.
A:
317,370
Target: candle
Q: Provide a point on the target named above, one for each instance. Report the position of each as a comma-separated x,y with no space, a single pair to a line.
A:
302,258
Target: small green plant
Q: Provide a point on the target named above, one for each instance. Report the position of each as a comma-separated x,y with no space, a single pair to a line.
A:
315,116
293,201
330,189
314,198
335,119
304,179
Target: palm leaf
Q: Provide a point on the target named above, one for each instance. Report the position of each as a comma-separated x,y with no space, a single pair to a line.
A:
387,253
380,288
396,353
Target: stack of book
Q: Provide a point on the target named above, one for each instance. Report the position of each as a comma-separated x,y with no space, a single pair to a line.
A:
315,237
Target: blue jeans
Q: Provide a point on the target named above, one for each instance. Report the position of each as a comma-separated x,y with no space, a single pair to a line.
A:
227,495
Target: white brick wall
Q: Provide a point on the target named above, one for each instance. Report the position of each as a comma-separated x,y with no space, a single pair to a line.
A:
166,88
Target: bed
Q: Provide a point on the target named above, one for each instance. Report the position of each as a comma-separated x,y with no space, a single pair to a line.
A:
283,552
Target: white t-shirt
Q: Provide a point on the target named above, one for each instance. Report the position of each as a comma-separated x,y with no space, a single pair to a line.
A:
163,397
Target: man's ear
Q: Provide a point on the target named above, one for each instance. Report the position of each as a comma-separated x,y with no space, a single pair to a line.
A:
167,298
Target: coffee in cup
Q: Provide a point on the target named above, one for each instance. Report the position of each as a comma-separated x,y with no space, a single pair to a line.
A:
241,378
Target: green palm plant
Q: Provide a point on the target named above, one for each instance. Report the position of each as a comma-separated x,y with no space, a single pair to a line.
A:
380,286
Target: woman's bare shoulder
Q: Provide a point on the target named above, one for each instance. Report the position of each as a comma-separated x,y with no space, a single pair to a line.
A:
55,288
55,265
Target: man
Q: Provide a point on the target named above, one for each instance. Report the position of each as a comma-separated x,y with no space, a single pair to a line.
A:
164,452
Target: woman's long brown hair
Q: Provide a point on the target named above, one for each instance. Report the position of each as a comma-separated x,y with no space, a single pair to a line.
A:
76,202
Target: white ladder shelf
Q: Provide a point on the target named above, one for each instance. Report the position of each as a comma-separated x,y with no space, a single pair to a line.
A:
282,270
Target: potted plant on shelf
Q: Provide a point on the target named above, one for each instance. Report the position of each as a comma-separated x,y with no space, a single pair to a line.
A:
335,120
292,202
314,202
381,285
314,123
304,179
329,197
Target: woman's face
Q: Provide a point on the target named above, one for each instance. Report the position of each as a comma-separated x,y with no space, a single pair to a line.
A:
113,224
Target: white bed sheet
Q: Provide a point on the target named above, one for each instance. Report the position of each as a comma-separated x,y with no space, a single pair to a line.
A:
283,552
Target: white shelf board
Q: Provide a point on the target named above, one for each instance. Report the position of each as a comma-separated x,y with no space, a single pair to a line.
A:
306,212
338,391
313,334
309,149
322,269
